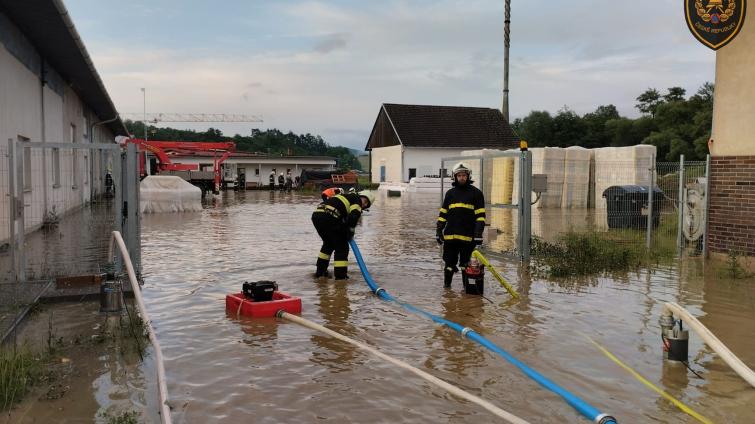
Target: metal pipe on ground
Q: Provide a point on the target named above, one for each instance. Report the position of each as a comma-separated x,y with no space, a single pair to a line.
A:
422,374
162,387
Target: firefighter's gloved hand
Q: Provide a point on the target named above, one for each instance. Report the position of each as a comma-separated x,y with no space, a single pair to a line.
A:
477,241
439,236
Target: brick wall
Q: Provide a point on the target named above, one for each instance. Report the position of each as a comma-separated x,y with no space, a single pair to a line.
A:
731,220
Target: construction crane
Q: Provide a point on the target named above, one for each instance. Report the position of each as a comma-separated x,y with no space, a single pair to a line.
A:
191,117
160,149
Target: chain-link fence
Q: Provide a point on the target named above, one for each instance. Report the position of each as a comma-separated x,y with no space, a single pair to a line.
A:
60,203
605,193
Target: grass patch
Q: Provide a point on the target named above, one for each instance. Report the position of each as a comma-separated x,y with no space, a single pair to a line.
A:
128,417
577,254
19,370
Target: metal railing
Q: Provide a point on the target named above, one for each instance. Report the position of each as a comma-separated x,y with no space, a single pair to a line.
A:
117,240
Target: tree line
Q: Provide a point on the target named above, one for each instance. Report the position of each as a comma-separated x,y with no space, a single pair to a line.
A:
672,122
267,142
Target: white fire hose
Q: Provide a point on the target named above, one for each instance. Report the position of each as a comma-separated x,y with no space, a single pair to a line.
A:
432,379
711,340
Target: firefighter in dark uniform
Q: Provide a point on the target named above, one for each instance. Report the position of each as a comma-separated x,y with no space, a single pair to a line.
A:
461,222
335,220
272,180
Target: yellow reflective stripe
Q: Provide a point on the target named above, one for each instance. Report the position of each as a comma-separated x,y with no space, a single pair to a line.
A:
482,218
442,210
323,256
460,205
481,210
355,208
343,200
441,219
457,237
340,264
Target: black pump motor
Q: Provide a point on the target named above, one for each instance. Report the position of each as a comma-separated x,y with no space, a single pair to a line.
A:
259,291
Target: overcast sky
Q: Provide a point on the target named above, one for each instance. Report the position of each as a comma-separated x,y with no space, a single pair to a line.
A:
326,66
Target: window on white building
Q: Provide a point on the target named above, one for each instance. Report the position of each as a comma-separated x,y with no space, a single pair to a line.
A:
27,163
75,159
56,168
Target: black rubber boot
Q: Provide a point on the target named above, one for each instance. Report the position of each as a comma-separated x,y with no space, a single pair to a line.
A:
448,276
465,280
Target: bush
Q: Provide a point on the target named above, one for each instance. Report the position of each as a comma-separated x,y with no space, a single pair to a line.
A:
579,254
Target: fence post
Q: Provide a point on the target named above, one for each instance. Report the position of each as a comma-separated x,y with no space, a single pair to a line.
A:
707,206
120,185
18,212
442,180
681,203
525,205
132,201
649,221
11,212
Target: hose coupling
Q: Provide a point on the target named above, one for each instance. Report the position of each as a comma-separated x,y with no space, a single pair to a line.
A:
605,419
280,313
464,331
378,290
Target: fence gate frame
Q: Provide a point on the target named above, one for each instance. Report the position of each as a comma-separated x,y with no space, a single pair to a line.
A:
125,208
524,200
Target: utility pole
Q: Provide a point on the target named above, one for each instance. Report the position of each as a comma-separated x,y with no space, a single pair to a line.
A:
506,43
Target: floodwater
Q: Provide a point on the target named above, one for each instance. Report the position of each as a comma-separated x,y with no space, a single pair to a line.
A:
224,369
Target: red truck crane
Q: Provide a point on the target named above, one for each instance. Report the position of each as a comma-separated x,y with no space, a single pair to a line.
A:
222,150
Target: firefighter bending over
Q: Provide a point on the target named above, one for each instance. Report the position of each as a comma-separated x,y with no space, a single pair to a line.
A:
461,222
335,220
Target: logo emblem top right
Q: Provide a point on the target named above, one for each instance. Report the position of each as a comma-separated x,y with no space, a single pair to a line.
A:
715,23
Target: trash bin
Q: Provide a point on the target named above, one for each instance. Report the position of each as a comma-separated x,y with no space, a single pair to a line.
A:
628,206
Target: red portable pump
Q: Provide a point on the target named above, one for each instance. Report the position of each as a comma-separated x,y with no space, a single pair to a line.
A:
473,277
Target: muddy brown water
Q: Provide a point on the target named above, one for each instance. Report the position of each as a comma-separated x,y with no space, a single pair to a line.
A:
226,369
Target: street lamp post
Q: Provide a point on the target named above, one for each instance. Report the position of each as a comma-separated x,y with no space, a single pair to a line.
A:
144,121
506,43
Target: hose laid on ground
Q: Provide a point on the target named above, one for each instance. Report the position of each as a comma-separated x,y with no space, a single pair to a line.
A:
679,404
574,401
162,388
711,340
477,254
432,379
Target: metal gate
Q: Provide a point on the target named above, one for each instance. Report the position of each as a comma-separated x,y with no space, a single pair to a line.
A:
505,178
59,203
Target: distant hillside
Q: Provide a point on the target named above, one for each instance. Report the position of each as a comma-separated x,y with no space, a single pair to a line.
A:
272,142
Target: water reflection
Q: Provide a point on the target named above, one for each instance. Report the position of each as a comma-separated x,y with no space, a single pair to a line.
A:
334,308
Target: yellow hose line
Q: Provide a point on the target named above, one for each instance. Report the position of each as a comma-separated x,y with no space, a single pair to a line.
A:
686,409
504,283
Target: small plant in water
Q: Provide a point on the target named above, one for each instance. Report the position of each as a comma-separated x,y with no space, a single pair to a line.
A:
19,370
734,268
128,417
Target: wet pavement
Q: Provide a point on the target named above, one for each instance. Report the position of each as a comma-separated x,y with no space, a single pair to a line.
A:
223,369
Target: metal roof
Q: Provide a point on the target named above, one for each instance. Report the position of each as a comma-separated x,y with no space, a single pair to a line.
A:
48,26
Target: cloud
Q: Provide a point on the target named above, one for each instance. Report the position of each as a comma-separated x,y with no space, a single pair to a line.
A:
331,43
325,67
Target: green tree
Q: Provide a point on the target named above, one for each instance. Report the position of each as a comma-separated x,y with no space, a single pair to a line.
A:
675,94
648,101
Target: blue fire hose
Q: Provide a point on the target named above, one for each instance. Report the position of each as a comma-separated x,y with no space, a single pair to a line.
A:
574,401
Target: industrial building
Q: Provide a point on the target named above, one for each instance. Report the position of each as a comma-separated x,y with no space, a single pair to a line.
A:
50,92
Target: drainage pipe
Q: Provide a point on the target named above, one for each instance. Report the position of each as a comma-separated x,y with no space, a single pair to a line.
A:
162,388
711,340
587,410
432,379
